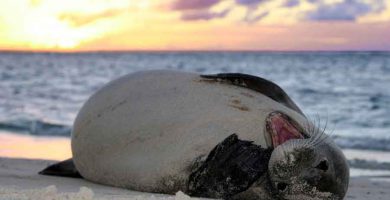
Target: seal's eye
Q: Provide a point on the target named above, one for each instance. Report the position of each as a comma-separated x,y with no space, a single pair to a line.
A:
281,186
323,165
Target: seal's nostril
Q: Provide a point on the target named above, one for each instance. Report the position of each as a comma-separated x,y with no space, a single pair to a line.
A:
323,165
281,186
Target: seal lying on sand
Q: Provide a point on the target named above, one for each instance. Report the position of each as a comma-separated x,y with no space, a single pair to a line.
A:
221,136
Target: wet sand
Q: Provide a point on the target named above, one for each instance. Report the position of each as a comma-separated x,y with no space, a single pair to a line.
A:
19,179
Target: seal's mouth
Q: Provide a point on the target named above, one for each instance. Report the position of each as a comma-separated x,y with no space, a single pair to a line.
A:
282,128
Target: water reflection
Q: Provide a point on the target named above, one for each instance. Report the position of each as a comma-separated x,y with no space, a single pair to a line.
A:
25,146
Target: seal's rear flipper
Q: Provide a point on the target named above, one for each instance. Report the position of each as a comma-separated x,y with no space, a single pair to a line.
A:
230,168
65,168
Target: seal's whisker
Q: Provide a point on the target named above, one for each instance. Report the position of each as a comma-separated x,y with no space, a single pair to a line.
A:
321,139
318,132
305,129
332,131
326,123
313,132
323,136
309,128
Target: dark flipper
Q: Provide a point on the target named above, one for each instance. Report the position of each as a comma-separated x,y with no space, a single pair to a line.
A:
258,84
230,168
65,168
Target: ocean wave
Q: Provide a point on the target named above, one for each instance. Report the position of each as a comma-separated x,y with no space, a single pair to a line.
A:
369,164
368,143
36,127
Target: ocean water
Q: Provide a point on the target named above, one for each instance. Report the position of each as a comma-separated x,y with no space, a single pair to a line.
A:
348,92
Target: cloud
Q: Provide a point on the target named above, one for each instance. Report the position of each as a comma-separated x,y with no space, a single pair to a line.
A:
201,9
193,4
204,15
81,19
249,2
192,10
250,18
294,10
291,3
347,10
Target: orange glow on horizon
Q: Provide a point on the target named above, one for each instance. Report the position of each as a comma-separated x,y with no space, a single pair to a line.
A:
94,25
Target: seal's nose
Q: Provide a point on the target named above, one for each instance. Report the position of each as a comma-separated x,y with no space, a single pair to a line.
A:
323,165
281,186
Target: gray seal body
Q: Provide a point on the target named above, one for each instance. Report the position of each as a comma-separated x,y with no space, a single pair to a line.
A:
164,131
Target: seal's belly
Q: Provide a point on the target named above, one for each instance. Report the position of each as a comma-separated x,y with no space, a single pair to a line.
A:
145,129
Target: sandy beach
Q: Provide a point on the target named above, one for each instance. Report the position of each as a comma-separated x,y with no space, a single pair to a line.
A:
23,156
19,179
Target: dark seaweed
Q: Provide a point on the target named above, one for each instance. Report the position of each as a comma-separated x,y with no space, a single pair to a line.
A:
230,168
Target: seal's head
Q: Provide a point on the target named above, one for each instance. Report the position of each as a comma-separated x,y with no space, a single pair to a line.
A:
305,163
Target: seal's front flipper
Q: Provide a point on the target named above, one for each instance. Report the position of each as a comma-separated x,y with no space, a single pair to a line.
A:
65,168
230,168
258,84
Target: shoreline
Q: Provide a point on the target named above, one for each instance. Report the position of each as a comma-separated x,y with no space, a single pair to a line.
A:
19,179
23,146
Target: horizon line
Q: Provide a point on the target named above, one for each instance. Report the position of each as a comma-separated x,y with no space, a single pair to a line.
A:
181,50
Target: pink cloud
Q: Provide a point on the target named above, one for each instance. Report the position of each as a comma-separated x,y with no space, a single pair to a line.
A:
204,15
193,4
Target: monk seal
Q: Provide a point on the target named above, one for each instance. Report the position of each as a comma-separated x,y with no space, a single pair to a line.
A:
231,136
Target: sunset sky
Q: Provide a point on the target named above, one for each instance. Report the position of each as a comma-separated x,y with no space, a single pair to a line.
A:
90,25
